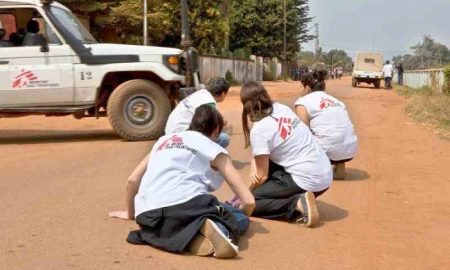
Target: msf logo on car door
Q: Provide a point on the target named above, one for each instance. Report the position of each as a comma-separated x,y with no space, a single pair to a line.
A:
30,78
24,79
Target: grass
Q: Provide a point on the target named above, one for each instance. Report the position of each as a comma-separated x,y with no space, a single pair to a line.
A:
424,107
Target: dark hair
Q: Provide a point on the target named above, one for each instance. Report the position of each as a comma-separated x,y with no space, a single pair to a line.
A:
206,119
16,39
2,33
257,105
315,80
33,26
387,62
217,86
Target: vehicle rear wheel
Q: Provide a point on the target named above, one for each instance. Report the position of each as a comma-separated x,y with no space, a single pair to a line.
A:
138,110
354,82
377,84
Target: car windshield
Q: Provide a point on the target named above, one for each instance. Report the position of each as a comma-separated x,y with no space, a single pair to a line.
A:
73,25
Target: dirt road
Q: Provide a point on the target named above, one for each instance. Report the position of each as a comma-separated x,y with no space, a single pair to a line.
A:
59,177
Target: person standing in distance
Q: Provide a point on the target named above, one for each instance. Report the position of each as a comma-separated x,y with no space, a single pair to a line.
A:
388,73
181,117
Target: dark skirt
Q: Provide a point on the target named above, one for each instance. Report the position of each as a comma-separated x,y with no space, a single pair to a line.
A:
172,228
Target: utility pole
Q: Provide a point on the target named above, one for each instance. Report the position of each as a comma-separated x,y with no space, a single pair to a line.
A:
285,42
317,40
190,54
145,23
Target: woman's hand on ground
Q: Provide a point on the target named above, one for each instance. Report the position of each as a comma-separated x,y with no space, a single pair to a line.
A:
120,215
255,178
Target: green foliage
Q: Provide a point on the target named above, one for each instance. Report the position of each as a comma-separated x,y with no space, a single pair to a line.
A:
447,80
97,10
259,25
337,58
217,27
243,53
229,77
206,23
427,54
306,59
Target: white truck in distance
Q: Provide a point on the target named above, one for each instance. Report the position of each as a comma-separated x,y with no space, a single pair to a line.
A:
368,69
60,69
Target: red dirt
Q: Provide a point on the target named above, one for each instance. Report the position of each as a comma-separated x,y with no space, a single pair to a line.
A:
60,176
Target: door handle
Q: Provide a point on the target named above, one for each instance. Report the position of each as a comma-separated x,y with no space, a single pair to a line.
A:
4,62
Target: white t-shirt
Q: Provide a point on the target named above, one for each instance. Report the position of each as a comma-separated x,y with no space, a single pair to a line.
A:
388,70
178,170
290,144
181,117
330,124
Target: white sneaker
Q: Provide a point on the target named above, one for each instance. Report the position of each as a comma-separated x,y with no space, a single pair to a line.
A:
223,247
307,203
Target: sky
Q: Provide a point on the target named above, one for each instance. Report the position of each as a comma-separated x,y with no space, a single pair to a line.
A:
389,26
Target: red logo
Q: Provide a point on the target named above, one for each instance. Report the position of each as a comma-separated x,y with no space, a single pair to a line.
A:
172,140
284,127
326,103
23,79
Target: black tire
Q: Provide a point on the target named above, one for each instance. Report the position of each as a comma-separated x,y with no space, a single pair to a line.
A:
377,84
354,82
138,110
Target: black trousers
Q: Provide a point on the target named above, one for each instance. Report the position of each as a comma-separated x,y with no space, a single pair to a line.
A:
172,228
388,82
277,197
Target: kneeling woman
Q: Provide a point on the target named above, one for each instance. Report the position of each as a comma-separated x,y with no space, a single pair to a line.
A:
289,168
172,205
329,121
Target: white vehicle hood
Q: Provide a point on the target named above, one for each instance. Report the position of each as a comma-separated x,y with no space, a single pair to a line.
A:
146,53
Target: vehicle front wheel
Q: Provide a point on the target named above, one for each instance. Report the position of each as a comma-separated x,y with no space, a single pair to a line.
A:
138,110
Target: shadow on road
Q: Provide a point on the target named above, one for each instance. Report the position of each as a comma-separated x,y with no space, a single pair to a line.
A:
55,136
355,175
330,212
255,227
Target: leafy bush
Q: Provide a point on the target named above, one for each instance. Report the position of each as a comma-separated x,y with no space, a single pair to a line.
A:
446,89
229,77
243,53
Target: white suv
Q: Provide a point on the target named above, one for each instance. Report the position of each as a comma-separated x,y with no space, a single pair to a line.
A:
57,68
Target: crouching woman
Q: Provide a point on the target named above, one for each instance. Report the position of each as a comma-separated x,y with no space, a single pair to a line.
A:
289,169
168,193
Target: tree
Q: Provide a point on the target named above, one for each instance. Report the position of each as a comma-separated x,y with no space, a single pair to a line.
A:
96,10
206,23
337,58
427,54
258,25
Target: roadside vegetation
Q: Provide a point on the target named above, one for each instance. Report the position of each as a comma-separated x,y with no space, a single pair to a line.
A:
425,107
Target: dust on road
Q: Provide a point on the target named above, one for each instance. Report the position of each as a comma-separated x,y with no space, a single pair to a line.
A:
60,176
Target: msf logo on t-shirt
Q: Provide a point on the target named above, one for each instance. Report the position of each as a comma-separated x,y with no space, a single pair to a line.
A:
327,103
175,142
285,126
